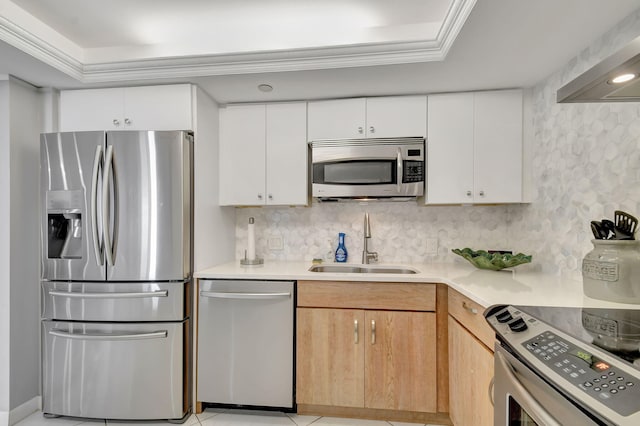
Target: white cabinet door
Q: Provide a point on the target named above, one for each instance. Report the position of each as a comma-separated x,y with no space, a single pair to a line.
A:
133,108
396,116
92,109
158,107
337,119
474,148
498,146
287,154
450,149
242,155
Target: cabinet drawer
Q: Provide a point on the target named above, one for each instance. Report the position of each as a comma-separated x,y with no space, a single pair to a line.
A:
367,295
469,314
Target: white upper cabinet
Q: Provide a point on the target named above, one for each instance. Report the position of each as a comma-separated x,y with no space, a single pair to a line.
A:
263,155
396,116
383,117
127,108
474,148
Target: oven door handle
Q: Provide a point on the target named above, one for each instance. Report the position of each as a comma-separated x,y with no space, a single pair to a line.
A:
533,407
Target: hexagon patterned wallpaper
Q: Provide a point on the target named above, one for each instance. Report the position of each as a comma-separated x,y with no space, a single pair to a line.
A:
586,164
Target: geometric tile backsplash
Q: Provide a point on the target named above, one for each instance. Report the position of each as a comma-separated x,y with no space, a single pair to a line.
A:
585,165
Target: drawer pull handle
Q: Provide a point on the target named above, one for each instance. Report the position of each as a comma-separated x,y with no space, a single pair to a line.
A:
355,332
104,337
373,332
471,309
105,295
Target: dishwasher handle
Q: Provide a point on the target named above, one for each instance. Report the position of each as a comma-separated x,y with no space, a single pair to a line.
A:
253,296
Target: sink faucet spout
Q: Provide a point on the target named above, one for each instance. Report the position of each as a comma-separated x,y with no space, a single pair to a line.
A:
367,256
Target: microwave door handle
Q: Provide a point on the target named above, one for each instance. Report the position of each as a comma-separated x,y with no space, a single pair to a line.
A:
97,245
399,171
533,407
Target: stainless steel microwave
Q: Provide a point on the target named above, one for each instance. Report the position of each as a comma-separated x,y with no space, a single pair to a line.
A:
392,169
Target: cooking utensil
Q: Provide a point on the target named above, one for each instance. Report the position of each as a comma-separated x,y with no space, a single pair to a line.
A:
598,230
625,224
609,228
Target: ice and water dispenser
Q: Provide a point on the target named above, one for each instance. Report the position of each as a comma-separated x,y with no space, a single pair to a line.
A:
64,224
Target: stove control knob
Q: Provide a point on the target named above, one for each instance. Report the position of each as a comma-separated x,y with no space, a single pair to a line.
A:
518,325
504,316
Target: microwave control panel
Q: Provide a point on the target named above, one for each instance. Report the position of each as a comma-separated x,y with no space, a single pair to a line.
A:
413,171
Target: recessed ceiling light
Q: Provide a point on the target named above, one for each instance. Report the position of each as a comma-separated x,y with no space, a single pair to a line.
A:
623,78
265,87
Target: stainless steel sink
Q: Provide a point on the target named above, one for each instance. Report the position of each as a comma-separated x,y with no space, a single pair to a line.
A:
363,269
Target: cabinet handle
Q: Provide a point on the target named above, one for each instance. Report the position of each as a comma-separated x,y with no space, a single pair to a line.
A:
372,129
116,122
481,193
259,196
360,130
355,332
491,387
270,196
469,193
472,310
127,122
373,332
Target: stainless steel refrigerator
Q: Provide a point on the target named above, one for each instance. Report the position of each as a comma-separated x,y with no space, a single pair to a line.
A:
116,274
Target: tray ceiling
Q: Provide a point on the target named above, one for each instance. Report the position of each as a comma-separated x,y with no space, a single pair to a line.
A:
117,40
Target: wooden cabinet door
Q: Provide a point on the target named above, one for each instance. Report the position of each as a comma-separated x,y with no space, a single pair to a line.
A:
91,109
498,146
158,107
400,361
330,357
450,149
470,374
287,154
337,119
396,116
242,155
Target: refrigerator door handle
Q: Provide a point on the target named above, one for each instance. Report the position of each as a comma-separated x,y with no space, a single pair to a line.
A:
109,245
224,295
116,336
97,245
121,295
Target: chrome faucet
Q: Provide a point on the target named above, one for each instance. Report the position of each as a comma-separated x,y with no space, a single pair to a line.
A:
367,256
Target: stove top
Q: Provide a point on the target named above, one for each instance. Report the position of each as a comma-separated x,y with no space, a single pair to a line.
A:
616,331
590,355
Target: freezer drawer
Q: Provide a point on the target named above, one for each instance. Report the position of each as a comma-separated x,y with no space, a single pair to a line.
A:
245,343
115,371
163,301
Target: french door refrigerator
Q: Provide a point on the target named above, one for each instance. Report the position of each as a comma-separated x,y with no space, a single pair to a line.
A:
116,272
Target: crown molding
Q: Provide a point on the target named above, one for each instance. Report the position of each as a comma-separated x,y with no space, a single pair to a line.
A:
30,44
360,55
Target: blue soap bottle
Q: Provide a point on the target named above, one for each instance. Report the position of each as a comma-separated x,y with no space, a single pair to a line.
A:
341,251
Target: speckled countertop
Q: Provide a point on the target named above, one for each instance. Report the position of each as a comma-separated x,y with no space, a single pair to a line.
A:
484,287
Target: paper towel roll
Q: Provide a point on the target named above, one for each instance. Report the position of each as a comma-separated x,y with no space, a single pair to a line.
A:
251,240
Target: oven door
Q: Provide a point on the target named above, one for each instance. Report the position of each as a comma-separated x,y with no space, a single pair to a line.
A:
522,398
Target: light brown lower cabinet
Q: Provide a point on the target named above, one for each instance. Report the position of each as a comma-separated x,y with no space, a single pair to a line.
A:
366,358
470,375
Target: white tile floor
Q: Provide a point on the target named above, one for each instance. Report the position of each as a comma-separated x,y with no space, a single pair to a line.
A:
216,417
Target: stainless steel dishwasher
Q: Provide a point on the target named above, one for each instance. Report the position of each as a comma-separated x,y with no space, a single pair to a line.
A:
246,343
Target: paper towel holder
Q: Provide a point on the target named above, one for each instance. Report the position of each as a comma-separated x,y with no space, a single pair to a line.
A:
251,262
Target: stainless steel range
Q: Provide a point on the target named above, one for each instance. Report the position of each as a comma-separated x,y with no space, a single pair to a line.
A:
566,366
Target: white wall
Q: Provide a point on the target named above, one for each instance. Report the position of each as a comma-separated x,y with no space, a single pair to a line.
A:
5,254
20,124
214,238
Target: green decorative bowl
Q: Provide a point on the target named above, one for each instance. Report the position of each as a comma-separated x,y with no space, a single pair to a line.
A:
492,261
